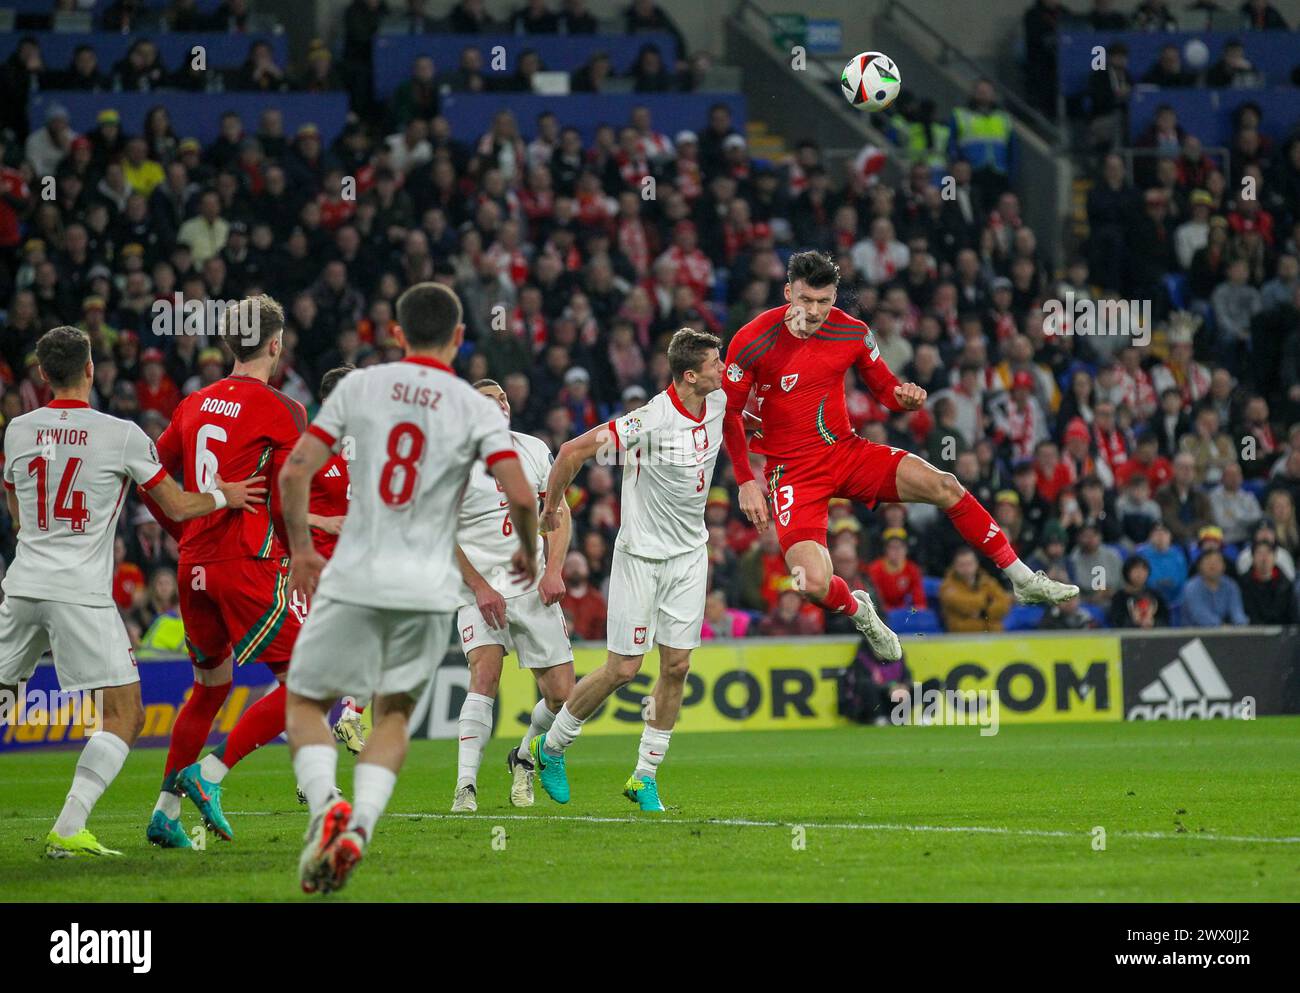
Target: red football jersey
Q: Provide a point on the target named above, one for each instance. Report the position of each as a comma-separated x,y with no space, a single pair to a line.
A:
238,427
800,381
330,492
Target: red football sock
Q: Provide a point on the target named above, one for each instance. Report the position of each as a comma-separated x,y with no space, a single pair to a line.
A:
259,725
192,727
840,598
981,532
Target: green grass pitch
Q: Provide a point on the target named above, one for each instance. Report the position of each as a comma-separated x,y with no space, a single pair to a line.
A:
1191,811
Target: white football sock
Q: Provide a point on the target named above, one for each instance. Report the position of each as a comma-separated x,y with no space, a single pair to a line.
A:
475,730
539,723
1018,573
373,786
169,803
100,762
651,751
316,767
562,732
213,769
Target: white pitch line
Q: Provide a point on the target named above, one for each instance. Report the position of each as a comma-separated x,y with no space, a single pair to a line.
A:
740,822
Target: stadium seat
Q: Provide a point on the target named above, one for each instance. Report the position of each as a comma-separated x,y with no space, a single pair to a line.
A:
931,586
1255,486
1024,617
1176,287
905,620
1098,614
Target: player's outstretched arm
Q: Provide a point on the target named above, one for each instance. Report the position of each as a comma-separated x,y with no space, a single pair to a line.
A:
572,454
490,603
181,505
523,514
305,563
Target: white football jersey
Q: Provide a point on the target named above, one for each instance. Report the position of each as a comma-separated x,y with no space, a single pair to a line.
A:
486,533
667,470
70,467
414,430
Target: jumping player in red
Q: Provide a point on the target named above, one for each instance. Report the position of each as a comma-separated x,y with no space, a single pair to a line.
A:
796,357
233,571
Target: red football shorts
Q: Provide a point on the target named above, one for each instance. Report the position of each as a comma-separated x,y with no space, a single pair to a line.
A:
241,606
800,489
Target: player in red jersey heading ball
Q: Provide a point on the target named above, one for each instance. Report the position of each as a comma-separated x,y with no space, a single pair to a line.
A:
795,357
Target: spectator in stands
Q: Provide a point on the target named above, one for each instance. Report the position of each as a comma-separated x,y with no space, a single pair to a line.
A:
1095,568
1067,616
1267,595
260,73
1279,507
1166,561
1167,72
722,623
83,72
1235,510
534,18
1136,604
22,74
1137,511
47,146
970,600
1154,15
983,136
1103,17
594,75
789,618
1235,303
141,69
1108,95
1041,22
1233,69
575,19
1210,448
1185,509
583,604
1260,15
646,15
1212,598
896,578
649,74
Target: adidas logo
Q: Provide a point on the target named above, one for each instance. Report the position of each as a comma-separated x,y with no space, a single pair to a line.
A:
993,529
334,472
1190,686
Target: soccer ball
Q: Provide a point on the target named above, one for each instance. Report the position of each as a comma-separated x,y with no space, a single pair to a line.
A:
870,81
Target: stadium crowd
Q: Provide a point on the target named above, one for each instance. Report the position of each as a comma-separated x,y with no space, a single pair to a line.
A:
1159,471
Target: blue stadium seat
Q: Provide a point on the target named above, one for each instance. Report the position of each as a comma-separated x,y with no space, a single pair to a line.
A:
1024,617
1097,613
1175,615
905,620
1176,287
931,586
1255,486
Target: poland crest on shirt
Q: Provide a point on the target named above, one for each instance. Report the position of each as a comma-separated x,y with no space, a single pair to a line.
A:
668,458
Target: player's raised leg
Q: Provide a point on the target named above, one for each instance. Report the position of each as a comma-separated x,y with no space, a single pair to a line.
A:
919,482
810,565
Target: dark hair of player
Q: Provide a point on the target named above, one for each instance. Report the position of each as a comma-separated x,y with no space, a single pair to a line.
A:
332,379
428,314
486,382
814,268
267,319
687,349
63,353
